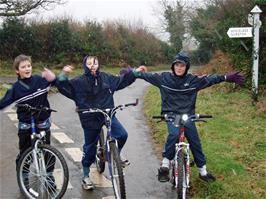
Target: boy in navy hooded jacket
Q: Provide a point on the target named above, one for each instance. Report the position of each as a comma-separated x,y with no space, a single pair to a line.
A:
178,94
94,89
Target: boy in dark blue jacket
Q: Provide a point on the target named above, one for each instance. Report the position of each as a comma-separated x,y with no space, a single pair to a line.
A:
94,89
32,90
178,93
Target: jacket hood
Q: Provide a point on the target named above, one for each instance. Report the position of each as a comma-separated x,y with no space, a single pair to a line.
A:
87,71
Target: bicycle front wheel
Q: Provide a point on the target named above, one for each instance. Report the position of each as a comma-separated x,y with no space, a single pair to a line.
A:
181,183
117,175
42,173
100,159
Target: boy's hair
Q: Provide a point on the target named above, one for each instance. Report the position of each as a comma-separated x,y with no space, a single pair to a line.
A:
19,59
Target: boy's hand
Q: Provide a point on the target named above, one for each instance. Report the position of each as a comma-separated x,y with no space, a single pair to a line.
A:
48,75
235,77
142,69
67,69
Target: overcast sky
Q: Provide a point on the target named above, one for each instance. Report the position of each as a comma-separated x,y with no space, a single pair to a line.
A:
101,10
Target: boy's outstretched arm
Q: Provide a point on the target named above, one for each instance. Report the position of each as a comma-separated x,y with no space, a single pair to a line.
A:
63,84
232,77
153,78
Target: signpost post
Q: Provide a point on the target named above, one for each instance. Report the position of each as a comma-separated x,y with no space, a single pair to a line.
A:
256,38
242,32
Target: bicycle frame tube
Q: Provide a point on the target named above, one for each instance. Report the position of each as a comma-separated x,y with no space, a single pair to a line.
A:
182,145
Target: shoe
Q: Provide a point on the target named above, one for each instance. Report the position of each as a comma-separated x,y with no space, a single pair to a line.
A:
207,178
87,183
125,162
163,174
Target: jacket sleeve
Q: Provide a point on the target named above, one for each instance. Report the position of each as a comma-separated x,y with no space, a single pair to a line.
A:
7,99
153,78
122,81
65,87
207,81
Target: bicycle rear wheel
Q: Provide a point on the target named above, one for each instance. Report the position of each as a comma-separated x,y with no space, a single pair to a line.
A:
181,183
100,159
117,175
42,173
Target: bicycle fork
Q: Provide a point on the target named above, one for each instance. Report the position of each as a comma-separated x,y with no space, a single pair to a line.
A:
182,146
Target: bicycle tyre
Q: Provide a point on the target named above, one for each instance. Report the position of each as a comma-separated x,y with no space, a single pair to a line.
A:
181,183
117,175
100,153
50,184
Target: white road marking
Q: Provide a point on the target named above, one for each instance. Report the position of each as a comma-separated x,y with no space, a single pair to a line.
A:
109,197
54,127
62,137
75,153
12,116
58,178
9,109
99,179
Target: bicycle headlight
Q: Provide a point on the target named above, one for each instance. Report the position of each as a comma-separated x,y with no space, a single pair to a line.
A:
185,117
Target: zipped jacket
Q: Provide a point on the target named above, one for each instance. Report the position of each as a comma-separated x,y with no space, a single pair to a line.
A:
88,91
32,91
179,94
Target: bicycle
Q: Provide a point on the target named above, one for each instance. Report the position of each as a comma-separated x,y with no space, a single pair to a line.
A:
180,165
107,150
42,171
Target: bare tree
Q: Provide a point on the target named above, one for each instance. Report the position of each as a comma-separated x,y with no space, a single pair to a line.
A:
10,8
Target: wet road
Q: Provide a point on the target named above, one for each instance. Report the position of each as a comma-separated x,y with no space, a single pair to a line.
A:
140,176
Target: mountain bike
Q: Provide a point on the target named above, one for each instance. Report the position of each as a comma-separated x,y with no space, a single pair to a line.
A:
42,171
180,165
107,150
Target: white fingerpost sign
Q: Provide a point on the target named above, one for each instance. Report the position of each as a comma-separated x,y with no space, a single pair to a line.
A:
255,69
240,32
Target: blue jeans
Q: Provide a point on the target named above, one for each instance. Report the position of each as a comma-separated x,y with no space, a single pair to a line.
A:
91,137
192,138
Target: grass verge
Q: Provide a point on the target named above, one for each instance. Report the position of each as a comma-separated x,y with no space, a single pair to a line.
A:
233,141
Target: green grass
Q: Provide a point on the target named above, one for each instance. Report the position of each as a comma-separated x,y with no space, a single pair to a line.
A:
234,142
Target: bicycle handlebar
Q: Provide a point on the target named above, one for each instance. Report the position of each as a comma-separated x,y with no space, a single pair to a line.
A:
196,117
104,111
31,108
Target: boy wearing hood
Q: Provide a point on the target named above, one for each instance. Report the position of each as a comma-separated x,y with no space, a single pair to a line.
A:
94,89
178,94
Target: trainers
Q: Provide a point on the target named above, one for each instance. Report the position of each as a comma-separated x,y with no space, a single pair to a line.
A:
125,161
207,178
87,183
163,174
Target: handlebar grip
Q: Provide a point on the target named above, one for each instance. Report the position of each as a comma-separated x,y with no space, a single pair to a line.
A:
158,117
133,104
205,116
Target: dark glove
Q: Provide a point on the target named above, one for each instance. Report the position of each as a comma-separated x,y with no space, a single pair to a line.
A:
126,71
234,77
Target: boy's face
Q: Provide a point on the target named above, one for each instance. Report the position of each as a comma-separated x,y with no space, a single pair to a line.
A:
180,68
24,69
92,64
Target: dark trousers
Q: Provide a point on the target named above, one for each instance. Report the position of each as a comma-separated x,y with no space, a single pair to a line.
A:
193,140
25,141
91,138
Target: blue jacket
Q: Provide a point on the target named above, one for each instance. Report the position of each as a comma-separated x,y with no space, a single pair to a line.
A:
88,91
178,94
32,91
